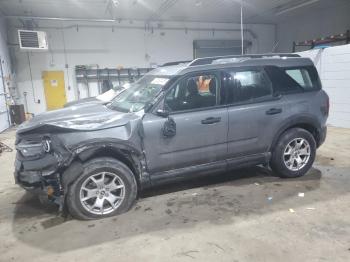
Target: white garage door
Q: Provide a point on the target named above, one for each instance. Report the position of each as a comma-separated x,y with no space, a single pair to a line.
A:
333,65
209,48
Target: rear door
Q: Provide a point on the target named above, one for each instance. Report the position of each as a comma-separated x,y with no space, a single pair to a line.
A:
201,126
254,112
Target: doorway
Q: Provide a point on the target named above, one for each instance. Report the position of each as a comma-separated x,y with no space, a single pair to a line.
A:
55,93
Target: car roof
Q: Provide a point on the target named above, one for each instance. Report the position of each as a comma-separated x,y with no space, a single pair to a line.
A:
168,70
221,62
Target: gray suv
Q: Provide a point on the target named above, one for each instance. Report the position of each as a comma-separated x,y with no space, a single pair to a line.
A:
181,121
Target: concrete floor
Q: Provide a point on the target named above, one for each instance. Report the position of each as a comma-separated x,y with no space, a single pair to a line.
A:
223,218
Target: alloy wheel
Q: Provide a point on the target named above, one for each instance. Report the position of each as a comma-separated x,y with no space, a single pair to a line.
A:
297,154
102,193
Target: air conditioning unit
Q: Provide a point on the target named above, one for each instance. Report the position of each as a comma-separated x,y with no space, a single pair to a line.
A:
32,40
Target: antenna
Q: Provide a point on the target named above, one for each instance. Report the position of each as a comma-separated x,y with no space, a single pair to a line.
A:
242,35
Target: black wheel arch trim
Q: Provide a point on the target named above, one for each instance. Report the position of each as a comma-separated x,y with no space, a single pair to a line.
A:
297,121
121,150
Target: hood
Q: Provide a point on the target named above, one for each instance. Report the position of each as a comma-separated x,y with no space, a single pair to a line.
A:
87,117
100,99
84,101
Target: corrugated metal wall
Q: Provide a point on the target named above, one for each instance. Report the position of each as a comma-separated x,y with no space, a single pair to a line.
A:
333,65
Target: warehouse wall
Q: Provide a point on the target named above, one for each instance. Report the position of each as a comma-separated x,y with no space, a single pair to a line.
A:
101,44
5,61
308,25
333,65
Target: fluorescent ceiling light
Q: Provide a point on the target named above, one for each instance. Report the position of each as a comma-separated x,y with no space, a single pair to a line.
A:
198,3
286,10
115,2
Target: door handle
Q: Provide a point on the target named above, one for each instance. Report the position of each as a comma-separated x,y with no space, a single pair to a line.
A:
274,111
211,120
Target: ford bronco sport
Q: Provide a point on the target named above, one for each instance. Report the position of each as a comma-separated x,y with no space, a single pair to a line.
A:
207,116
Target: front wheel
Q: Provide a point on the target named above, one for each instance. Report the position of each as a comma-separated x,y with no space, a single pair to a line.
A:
106,187
294,153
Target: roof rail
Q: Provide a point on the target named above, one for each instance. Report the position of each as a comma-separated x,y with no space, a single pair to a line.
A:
176,63
210,60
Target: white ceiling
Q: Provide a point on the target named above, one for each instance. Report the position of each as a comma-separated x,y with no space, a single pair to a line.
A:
255,11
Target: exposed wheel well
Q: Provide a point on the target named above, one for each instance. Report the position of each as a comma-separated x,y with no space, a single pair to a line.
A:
120,155
309,127
313,131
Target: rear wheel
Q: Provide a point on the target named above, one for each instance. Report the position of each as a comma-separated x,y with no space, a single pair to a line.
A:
294,153
106,187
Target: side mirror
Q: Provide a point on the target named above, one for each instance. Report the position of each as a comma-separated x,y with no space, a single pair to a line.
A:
169,128
162,113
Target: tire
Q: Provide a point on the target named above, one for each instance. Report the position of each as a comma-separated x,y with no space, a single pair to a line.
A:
111,181
285,162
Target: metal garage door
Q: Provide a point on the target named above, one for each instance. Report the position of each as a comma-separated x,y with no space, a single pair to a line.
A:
333,65
209,48
4,124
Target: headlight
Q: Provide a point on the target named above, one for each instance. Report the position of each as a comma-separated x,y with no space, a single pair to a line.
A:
34,148
46,143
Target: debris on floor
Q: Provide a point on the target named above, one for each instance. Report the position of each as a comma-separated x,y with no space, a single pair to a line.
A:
301,194
270,198
5,148
291,210
310,208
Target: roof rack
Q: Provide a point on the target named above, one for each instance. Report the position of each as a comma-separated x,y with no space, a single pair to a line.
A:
210,60
176,63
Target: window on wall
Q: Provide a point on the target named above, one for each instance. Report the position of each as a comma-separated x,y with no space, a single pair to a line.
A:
246,86
193,92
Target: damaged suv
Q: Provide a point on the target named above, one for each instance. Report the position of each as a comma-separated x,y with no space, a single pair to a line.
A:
181,121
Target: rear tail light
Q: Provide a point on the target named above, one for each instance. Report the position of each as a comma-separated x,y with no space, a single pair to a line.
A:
325,107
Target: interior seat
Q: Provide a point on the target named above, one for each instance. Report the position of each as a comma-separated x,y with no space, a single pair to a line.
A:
193,98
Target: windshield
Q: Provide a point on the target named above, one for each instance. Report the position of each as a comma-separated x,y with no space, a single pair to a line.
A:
140,94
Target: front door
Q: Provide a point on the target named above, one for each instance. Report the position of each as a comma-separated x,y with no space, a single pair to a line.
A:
201,126
55,93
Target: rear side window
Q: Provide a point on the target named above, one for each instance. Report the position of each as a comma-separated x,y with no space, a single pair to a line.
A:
292,80
246,86
301,76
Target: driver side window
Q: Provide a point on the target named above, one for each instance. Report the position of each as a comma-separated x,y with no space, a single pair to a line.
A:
192,93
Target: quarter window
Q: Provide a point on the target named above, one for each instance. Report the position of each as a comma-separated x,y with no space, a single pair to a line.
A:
193,92
293,80
301,76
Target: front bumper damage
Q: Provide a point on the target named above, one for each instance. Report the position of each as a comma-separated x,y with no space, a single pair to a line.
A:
44,182
48,188
49,174
40,174
53,146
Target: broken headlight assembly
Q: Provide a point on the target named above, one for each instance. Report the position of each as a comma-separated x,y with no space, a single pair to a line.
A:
34,148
